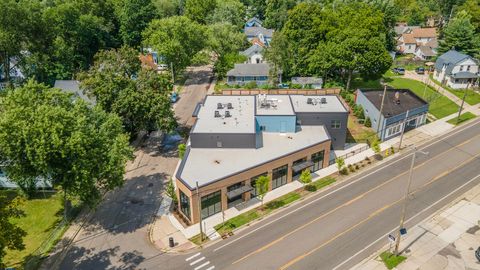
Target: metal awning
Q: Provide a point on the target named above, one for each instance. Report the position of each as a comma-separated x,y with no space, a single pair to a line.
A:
239,191
302,166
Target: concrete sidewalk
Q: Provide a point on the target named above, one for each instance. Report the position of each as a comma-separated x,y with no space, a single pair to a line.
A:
447,240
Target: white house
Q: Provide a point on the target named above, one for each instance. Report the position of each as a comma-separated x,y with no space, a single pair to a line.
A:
409,41
427,51
456,70
308,82
254,54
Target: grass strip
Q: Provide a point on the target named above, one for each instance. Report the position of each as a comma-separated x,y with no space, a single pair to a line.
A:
390,260
463,117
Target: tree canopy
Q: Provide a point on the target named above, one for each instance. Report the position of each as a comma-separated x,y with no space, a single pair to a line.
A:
134,16
460,35
49,134
229,11
198,10
11,236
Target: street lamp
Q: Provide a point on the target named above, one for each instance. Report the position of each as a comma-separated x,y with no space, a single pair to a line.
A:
405,198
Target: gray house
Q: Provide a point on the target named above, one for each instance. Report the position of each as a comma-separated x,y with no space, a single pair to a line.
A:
254,54
456,70
242,74
401,109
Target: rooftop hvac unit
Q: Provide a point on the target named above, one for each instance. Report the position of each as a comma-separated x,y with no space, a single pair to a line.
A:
229,106
309,101
217,114
219,106
227,114
323,100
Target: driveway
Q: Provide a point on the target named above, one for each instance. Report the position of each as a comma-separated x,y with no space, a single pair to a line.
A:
116,235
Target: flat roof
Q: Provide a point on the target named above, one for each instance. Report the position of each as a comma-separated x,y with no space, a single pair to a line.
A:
408,100
207,165
242,119
333,104
274,105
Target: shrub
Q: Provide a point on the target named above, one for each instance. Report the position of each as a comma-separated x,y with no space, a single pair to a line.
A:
359,113
251,85
344,171
357,167
310,188
181,150
368,122
351,168
340,163
392,150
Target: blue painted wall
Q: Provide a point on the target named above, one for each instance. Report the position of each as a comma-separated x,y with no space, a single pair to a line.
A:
276,123
371,111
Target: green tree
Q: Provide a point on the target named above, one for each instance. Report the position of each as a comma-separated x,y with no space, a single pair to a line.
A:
375,145
340,163
306,177
170,191
278,56
139,96
460,35
80,149
276,13
177,40
181,150
11,236
198,10
229,11
261,186
169,8
368,122
134,16
255,8
472,7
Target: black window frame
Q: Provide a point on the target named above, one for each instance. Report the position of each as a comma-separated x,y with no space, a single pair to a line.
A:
253,180
335,124
279,176
210,198
185,205
317,159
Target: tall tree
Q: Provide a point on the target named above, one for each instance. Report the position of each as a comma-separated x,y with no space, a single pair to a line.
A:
11,236
176,39
460,35
139,96
198,10
472,7
276,13
49,134
278,56
169,8
255,8
134,16
229,11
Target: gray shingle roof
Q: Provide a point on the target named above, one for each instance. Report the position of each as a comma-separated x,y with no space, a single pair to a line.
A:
254,31
427,51
450,58
249,70
73,87
464,75
254,49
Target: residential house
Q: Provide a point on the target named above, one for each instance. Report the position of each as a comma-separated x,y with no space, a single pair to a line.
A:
254,30
15,73
254,54
242,74
237,139
73,87
254,22
409,41
402,28
402,109
456,70
308,82
427,51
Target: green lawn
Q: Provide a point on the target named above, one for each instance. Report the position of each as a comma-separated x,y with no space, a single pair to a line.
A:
326,181
390,260
472,97
358,132
439,105
463,117
42,214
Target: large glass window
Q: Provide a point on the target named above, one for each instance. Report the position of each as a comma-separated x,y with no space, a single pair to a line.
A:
185,205
253,183
211,204
296,162
317,159
279,176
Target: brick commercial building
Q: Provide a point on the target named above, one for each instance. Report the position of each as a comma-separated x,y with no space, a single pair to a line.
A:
236,139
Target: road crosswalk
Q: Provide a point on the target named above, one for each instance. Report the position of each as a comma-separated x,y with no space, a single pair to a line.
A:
199,262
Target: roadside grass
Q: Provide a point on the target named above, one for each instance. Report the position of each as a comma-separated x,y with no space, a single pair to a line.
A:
439,105
463,117
472,97
390,260
357,132
43,213
198,241
326,181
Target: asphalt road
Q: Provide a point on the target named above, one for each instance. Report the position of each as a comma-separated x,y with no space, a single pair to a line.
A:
339,227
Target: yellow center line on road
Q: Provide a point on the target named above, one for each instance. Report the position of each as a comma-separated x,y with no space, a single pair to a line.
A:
377,212
349,202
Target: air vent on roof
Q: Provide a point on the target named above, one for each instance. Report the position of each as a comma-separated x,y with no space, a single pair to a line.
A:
309,101
227,114
229,106
323,100
219,106
217,114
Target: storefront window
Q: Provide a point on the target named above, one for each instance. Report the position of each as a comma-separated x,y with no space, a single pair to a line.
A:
279,176
185,205
253,182
211,204
296,162
317,159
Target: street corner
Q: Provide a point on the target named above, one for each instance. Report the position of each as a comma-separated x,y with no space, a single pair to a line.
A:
167,238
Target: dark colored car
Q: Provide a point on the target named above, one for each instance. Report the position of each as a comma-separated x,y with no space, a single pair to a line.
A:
420,70
477,254
399,70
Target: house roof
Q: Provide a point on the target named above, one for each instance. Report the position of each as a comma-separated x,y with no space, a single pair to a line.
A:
257,41
426,50
255,31
249,70
433,43
252,50
465,75
408,100
409,38
424,32
251,22
307,80
73,87
147,61
449,59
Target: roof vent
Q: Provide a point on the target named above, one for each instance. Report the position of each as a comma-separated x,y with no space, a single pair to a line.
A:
227,114
309,101
217,114
229,106
219,106
323,100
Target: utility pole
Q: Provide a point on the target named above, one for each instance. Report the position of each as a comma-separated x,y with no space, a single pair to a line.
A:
463,102
173,74
405,200
381,108
403,130
199,213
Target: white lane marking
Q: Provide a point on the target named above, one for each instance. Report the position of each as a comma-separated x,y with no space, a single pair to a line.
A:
193,256
336,190
199,260
200,266
408,220
211,267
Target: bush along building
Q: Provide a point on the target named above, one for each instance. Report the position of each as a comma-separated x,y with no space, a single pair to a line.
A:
237,139
401,108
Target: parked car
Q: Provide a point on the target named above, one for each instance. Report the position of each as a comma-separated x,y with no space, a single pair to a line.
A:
283,85
399,70
174,97
420,70
477,254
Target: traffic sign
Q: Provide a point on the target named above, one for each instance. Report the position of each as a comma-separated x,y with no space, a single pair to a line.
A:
403,231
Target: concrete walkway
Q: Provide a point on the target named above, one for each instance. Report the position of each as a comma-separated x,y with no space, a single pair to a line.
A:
447,240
